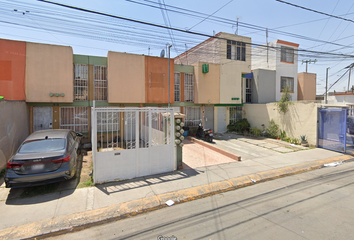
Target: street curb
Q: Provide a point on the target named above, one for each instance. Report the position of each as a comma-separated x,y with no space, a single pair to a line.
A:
76,222
216,149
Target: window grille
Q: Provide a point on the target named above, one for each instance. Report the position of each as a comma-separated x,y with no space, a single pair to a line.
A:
100,83
177,87
192,116
287,54
235,114
188,88
236,50
80,82
74,118
287,81
248,90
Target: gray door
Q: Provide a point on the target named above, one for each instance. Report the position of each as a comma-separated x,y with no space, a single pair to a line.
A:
209,118
221,119
42,118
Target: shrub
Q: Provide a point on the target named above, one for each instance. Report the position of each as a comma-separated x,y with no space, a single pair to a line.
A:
256,131
273,129
285,100
239,126
282,135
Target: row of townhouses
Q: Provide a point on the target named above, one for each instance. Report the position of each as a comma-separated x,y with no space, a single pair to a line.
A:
210,82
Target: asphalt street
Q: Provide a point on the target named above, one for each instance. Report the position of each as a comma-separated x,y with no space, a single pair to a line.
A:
312,205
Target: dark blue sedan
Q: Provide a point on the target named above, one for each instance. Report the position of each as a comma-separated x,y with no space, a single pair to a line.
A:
46,156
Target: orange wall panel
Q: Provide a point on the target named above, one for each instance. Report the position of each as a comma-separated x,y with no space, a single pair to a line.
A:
156,80
12,69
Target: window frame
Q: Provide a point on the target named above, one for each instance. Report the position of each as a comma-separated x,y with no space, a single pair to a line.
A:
235,114
100,84
70,122
189,87
283,78
236,50
287,54
177,92
80,82
193,116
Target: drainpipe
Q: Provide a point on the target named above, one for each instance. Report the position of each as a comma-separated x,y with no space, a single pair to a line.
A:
169,51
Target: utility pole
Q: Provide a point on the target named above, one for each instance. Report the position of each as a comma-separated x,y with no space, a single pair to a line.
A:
326,85
308,61
350,71
169,51
267,42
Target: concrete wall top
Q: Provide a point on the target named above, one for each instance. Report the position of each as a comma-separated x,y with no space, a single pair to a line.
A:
12,69
49,69
126,78
90,60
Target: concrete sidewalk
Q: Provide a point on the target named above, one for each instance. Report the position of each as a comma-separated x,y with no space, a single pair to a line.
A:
74,209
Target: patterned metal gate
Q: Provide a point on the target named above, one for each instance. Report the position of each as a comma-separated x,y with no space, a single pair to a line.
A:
332,129
131,142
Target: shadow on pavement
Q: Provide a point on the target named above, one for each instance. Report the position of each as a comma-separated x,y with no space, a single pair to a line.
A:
113,187
44,193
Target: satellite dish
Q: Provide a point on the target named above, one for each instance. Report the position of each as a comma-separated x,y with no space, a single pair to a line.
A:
162,54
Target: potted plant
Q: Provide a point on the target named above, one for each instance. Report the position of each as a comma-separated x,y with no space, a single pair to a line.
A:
304,142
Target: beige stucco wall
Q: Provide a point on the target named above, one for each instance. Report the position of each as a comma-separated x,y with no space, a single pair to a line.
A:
14,128
207,85
231,70
126,78
306,86
49,69
301,119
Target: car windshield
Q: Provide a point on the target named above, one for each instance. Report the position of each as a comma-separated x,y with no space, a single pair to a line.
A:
43,145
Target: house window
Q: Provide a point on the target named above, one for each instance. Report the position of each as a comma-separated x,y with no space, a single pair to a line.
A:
192,116
248,90
236,50
188,88
287,54
287,81
80,82
235,114
177,87
100,82
74,118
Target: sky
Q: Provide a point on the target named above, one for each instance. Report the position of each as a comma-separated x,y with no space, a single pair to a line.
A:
329,40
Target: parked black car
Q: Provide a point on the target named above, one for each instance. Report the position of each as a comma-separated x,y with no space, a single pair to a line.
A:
46,156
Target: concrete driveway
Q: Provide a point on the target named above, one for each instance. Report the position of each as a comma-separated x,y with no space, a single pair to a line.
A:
196,155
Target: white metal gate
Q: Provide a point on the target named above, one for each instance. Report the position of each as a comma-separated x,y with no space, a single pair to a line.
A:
132,142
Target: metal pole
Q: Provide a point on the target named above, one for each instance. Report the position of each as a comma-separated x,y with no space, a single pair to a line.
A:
326,85
350,71
169,51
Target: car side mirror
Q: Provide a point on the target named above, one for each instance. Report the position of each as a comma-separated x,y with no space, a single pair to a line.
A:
79,134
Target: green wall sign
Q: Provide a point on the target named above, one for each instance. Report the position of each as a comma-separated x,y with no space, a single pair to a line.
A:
235,98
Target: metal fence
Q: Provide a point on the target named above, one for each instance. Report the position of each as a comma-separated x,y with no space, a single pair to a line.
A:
132,142
332,129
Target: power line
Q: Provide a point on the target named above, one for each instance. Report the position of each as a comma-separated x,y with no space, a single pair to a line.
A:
312,10
211,14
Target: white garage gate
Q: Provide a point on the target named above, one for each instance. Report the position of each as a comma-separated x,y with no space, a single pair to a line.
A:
131,142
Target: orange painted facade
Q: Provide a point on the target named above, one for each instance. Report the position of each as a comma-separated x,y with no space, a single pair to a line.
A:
156,80
12,69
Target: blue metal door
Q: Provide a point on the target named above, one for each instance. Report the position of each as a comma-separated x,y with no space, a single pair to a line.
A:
332,129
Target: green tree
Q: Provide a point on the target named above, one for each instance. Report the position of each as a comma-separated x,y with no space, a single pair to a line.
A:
285,100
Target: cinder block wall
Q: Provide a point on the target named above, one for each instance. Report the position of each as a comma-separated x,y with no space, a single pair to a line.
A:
14,128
